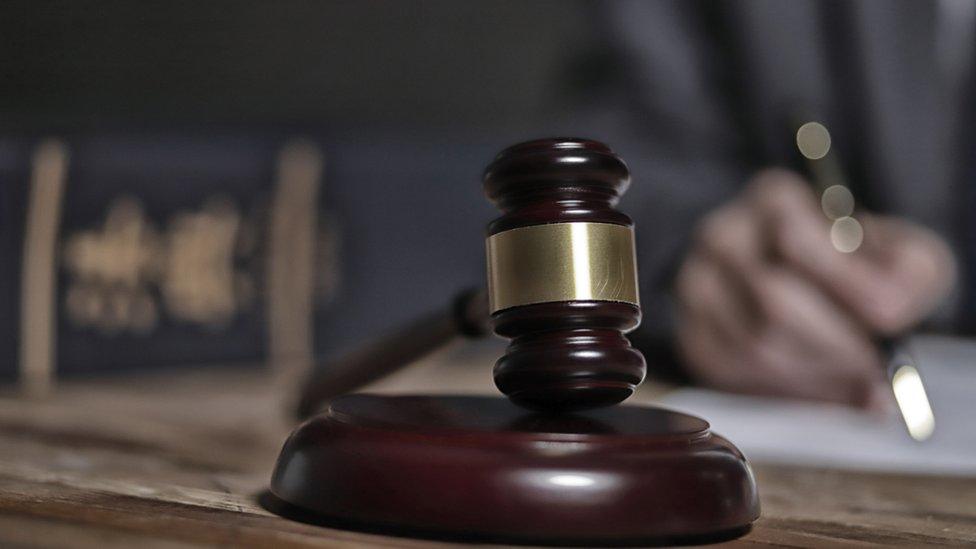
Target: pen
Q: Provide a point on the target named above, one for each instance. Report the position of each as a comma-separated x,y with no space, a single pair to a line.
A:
846,234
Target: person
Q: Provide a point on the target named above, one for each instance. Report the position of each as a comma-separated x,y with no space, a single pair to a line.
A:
745,288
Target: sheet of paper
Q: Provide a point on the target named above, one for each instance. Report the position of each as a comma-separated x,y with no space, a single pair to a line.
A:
781,431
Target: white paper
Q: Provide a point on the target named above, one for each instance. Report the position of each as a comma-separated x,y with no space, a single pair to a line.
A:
791,432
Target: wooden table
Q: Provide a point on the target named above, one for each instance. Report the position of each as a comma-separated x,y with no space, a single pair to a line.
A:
179,459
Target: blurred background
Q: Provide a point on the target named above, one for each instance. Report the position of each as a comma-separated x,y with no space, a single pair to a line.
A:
207,185
183,121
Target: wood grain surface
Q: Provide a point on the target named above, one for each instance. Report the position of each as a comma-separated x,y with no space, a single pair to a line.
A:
180,460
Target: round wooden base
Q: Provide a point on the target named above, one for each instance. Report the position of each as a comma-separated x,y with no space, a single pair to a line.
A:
481,468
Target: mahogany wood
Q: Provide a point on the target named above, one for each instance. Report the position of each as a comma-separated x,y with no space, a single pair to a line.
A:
541,466
566,355
480,468
556,180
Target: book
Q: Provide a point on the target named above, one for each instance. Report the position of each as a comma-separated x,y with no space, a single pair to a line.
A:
200,250
133,251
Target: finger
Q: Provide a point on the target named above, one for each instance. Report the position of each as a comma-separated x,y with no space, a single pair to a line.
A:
796,231
799,235
705,290
795,340
713,326
768,366
730,364
803,348
744,336
917,268
730,238
826,341
707,356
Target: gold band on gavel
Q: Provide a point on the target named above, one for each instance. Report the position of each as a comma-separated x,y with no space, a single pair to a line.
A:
561,262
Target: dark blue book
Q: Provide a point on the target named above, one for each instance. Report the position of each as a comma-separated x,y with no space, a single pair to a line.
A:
203,250
126,252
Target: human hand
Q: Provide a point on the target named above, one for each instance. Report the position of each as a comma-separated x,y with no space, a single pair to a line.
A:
767,305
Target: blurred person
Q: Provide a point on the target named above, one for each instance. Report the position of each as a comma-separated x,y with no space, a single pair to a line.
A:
747,292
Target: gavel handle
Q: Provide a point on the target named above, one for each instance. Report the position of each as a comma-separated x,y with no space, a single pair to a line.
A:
467,316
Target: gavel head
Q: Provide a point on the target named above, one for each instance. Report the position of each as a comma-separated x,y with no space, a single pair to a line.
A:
562,278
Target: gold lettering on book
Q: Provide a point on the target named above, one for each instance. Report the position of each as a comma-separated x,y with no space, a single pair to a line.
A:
126,273
198,281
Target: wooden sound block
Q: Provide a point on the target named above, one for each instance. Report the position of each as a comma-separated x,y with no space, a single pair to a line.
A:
478,468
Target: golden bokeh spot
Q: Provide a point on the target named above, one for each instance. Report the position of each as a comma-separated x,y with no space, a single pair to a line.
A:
837,202
846,234
813,140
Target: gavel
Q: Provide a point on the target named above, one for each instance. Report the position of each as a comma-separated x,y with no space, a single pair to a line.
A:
555,461
558,368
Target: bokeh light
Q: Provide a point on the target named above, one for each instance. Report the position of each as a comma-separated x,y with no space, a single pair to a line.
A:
913,402
837,202
813,140
846,234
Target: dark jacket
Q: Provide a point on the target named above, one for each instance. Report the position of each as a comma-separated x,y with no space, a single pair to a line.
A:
701,94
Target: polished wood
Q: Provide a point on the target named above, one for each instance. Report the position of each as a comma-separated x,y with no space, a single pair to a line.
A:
556,180
540,167
436,465
566,355
548,467
182,460
466,315
569,355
